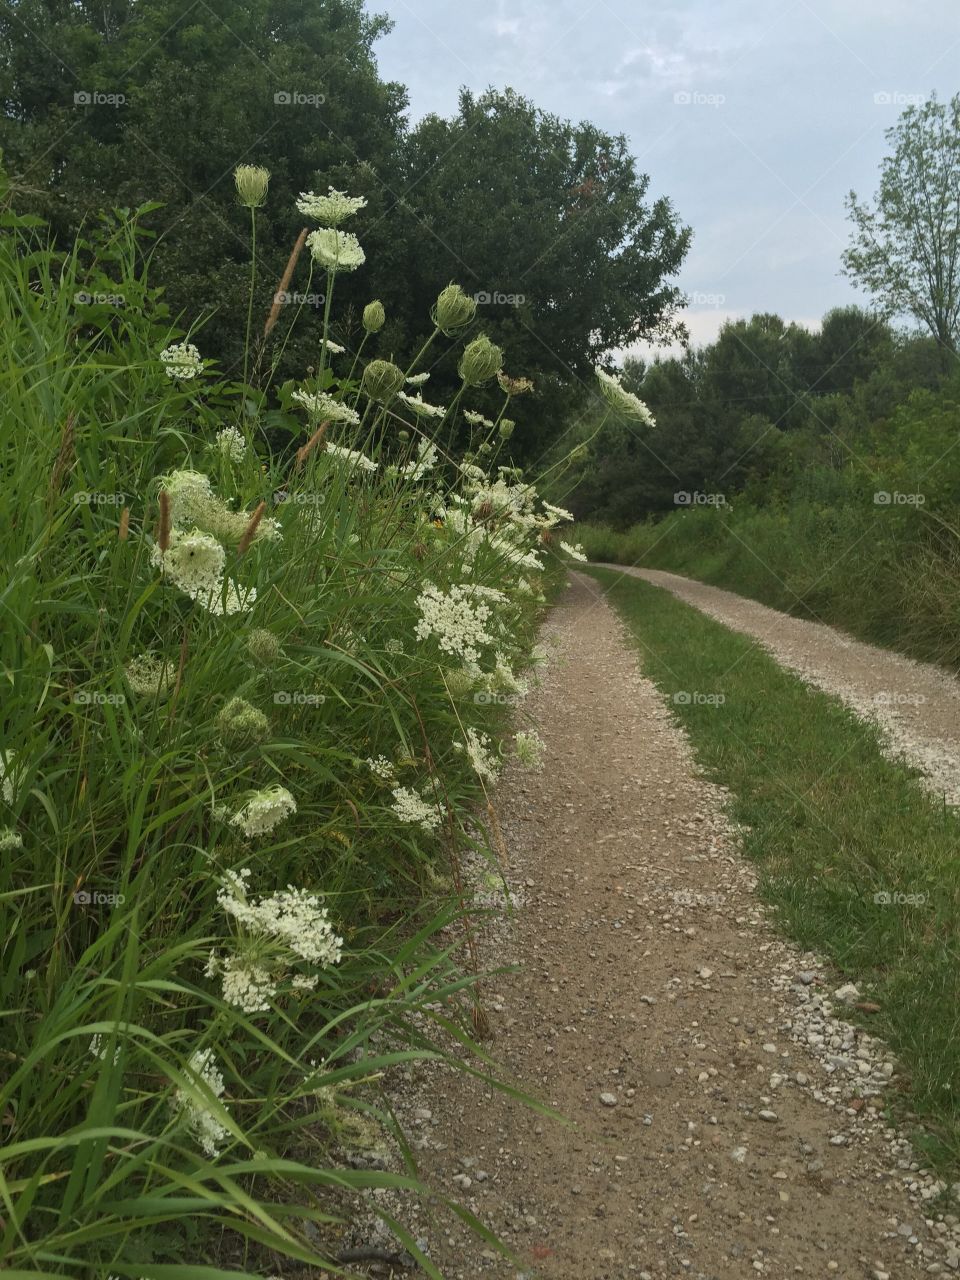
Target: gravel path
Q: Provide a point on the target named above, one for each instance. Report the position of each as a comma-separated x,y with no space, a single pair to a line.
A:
915,704
724,1120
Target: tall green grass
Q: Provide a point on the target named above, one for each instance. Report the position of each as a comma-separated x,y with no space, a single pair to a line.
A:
118,803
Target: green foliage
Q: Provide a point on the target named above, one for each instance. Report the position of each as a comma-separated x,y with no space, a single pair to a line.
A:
861,534
905,250
552,224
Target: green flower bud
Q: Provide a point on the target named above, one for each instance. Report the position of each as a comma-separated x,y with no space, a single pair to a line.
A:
374,317
453,310
485,449
263,646
506,428
252,182
481,360
382,380
403,435
241,724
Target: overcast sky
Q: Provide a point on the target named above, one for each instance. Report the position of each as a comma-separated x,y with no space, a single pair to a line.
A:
754,118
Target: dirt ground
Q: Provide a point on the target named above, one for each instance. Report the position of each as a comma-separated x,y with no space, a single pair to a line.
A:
724,1121
916,704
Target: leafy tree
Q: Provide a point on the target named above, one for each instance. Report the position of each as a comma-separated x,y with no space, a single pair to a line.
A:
905,248
120,102
549,223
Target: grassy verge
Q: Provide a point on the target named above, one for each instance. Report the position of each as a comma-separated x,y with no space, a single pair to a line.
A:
831,823
888,574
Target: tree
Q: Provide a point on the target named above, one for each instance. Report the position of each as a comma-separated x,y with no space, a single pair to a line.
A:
548,223
905,249
119,102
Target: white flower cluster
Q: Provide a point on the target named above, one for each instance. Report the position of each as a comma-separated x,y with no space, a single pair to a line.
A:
575,553
264,810
193,504
201,1121
291,916
351,457
622,401
182,361
420,406
424,462
480,755
414,809
332,209
194,563
336,250
381,768
321,406
231,444
245,985
456,619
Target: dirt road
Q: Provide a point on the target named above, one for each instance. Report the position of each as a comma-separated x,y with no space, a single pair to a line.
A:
915,704
725,1121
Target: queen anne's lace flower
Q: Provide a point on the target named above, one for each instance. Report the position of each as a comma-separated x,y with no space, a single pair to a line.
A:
244,984
264,810
412,808
425,461
194,504
420,406
181,360
623,401
480,755
336,250
149,675
575,553
456,619
333,347
417,379
332,209
381,767
354,459
556,514
294,917
321,406
231,444
193,561
476,419
201,1121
